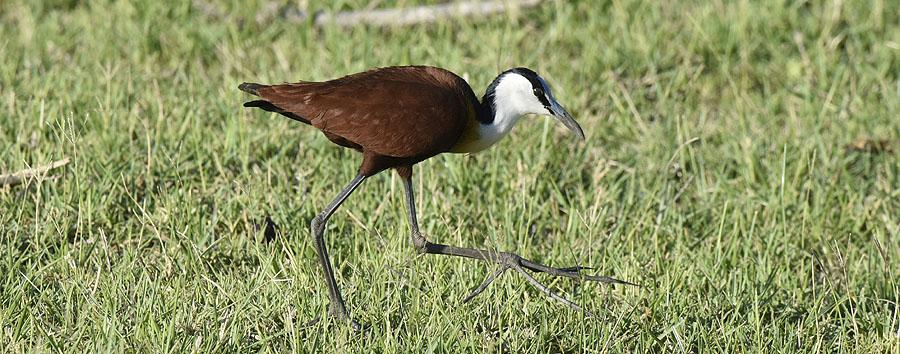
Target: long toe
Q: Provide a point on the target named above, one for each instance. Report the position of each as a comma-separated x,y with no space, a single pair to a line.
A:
341,315
312,322
359,327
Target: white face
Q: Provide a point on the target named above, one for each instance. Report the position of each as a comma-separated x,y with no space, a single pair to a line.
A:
514,95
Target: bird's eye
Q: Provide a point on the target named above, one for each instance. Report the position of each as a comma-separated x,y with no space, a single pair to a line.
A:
537,92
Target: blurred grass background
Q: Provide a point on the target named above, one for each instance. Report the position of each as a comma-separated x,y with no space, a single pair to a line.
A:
721,171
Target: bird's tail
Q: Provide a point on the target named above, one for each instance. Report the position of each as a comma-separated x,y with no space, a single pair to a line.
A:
251,88
264,104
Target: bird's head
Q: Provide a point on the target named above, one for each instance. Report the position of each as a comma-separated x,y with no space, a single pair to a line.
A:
521,91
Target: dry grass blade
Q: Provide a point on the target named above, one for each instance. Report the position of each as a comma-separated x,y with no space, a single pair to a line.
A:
421,14
377,17
872,146
16,178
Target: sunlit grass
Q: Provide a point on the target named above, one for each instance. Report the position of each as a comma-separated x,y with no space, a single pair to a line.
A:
715,173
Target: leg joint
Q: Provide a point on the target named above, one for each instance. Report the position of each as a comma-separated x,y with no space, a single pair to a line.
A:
317,225
419,243
510,259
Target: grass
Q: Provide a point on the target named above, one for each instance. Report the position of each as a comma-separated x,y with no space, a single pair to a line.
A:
715,173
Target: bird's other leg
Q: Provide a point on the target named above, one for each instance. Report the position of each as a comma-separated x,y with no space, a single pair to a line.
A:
416,237
336,306
506,260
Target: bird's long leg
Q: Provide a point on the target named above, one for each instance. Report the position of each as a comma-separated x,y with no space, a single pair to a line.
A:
336,307
506,260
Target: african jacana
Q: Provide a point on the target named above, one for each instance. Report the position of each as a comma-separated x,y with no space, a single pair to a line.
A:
399,116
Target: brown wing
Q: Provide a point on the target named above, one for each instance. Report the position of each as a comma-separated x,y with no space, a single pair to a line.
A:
398,111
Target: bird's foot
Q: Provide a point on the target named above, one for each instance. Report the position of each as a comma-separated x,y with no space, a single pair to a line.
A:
341,315
522,265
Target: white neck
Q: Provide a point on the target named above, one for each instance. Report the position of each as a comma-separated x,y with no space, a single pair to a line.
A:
512,99
489,134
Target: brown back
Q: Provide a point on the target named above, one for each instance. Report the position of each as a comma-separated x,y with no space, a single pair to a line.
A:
411,111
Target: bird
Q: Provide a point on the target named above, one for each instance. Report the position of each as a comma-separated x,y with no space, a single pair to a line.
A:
399,116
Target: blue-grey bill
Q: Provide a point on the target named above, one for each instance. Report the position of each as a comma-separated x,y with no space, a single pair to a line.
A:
566,119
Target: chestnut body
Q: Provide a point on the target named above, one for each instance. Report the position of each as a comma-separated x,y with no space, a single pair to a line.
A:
395,116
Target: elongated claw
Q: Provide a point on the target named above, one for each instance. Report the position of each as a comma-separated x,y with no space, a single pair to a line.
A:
574,269
571,272
312,322
607,280
487,281
550,293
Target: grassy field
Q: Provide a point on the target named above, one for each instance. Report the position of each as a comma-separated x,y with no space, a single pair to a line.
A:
741,163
